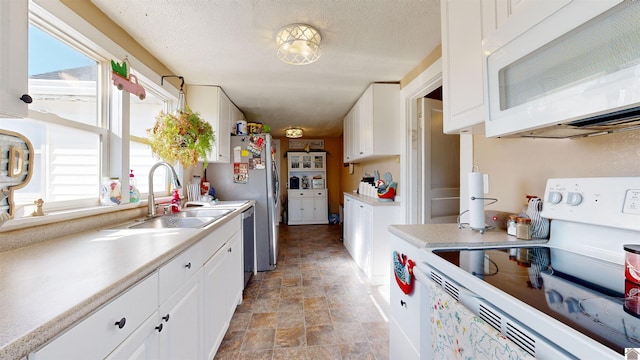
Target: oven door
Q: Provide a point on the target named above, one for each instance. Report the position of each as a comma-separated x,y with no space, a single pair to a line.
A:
465,324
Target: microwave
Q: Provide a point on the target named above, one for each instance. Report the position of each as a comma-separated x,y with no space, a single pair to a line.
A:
563,69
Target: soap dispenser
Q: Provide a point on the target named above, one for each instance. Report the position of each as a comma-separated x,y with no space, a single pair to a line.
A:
176,201
134,194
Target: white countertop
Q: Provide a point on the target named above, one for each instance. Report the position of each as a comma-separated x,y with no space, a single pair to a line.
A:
449,235
49,286
371,200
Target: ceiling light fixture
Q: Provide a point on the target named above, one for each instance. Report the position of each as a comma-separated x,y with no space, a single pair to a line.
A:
298,44
293,133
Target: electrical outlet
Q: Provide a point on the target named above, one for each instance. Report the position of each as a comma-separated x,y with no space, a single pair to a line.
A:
485,180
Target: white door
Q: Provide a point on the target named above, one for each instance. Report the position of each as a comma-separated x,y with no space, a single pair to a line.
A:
438,172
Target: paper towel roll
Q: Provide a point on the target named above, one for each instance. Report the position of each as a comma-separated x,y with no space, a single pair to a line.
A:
476,203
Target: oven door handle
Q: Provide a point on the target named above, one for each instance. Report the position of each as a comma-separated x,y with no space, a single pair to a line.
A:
420,273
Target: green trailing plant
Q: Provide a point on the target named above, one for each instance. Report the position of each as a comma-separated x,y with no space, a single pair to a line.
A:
181,137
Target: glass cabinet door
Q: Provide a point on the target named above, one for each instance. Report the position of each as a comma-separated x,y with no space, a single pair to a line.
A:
306,161
294,161
318,162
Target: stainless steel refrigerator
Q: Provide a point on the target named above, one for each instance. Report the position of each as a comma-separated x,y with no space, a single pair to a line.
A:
253,175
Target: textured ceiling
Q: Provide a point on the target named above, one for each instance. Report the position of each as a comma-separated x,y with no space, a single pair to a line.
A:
231,44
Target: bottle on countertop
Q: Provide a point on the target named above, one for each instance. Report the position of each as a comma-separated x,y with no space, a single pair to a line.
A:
134,194
175,200
511,225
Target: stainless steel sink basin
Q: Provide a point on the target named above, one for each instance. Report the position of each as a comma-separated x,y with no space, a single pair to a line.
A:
192,218
203,212
164,222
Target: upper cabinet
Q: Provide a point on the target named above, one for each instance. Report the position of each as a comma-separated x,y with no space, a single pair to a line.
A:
465,24
371,126
462,74
215,107
13,58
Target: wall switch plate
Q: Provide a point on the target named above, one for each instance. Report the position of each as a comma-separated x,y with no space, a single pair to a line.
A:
485,180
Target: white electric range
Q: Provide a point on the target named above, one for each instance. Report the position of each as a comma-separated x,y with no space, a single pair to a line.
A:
567,298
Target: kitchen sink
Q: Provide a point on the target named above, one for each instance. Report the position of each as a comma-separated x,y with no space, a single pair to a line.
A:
196,218
202,212
163,222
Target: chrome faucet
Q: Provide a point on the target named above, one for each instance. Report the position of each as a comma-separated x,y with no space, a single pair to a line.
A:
174,180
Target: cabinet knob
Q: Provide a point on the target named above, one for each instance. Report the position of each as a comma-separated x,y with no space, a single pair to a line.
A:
159,328
403,303
229,250
188,266
120,324
166,318
26,98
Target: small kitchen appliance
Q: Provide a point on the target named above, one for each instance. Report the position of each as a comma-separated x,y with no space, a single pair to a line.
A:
565,298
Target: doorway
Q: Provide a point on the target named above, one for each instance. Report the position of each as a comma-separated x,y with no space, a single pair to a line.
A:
438,162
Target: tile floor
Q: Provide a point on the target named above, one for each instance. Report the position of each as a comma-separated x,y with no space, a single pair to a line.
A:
315,305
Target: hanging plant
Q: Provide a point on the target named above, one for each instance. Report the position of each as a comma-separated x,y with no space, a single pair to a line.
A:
181,137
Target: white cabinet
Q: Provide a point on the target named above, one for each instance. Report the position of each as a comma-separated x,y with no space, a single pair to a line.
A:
142,344
181,336
366,235
308,207
214,106
307,195
223,282
463,85
404,325
13,57
100,333
181,311
370,127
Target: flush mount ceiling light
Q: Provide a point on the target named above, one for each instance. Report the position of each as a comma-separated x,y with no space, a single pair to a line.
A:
298,44
293,133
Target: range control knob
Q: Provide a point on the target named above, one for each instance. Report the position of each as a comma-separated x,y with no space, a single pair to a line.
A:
572,305
553,297
574,198
554,197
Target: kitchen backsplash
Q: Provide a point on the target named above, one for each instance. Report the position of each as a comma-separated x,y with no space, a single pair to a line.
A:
522,166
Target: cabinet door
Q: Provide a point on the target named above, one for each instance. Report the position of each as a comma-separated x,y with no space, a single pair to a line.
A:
320,207
347,224
295,209
367,236
142,344
223,139
462,69
406,308
181,334
13,57
307,209
235,273
319,161
215,310
365,124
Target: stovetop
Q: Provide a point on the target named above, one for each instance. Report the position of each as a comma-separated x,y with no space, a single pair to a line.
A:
582,295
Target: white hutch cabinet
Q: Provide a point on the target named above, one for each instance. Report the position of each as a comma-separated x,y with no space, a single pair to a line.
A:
307,195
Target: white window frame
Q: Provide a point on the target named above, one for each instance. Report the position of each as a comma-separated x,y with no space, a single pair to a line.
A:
113,107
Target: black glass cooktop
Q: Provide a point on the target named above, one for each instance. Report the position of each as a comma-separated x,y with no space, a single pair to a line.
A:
586,294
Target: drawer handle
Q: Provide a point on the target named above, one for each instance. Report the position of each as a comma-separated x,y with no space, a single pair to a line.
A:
403,303
120,324
26,98
159,328
166,318
188,266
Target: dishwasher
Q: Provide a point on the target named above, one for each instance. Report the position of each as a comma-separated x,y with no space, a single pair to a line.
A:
248,244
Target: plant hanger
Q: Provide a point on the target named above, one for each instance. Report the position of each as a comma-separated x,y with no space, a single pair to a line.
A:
181,99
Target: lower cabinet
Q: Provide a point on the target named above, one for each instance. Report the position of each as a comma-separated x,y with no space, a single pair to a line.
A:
223,281
409,339
142,344
307,207
366,235
181,311
181,319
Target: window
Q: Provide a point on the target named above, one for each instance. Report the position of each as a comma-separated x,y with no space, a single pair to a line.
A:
75,113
